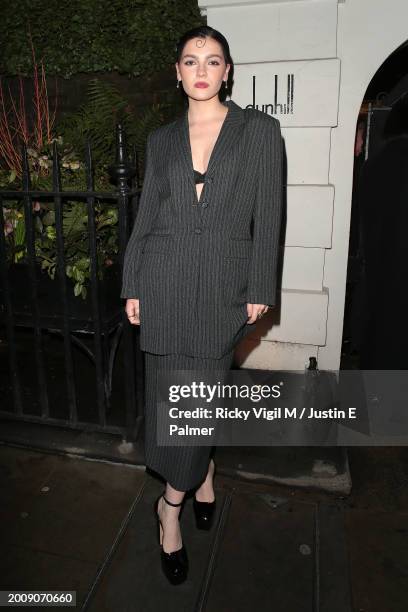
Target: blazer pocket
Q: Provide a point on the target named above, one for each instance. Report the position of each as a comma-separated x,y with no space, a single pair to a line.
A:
235,271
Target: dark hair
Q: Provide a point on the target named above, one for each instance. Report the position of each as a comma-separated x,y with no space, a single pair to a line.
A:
205,31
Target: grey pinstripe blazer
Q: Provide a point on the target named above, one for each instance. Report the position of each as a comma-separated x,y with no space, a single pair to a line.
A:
195,263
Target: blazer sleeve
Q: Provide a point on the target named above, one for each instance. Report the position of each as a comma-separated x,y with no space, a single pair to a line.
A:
147,210
267,216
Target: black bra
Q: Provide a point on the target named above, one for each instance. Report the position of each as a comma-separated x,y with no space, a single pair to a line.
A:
199,177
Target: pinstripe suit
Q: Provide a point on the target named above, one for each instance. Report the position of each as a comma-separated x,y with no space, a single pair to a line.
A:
195,263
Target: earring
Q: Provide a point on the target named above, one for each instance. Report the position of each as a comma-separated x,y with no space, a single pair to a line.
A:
226,85
178,83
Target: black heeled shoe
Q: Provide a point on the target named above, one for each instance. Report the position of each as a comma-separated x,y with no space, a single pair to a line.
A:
174,564
204,512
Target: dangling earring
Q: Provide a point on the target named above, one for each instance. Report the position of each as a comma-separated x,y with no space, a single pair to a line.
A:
226,85
178,83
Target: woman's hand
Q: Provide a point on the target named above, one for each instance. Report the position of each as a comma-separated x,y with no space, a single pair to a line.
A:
133,311
256,311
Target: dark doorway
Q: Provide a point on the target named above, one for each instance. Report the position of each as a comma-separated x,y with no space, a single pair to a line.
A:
374,320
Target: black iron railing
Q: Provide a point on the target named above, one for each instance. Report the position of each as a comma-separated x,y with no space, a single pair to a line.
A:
97,327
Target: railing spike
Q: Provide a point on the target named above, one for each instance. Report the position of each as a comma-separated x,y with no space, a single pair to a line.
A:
122,170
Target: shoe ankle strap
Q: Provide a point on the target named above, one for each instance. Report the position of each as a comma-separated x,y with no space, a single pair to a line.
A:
171,503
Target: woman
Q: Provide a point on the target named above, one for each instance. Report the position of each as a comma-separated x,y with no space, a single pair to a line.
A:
200,266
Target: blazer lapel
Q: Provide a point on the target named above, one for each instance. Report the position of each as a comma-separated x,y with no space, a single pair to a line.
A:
230,131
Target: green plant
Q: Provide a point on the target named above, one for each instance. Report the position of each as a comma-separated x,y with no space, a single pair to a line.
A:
86,36
76,243
17,127
74,224
95,121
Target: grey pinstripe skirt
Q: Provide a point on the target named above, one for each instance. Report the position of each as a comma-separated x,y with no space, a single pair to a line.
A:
183,467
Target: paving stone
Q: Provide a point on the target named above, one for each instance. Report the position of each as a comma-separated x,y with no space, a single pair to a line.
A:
266,559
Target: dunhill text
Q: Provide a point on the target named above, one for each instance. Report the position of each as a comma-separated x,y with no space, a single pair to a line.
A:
280,105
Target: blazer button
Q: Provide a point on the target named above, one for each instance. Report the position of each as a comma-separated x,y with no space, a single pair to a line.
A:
204,204
197,230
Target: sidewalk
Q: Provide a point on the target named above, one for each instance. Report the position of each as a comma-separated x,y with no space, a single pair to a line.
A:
70,523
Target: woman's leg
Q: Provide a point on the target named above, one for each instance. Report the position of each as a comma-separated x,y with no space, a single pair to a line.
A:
205,493
185,467
170,535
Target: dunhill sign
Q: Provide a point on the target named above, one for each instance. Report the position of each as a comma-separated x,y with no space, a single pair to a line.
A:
270,87
277,107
